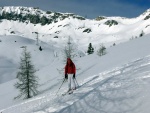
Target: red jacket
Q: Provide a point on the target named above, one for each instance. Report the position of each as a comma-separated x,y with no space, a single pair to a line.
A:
70,67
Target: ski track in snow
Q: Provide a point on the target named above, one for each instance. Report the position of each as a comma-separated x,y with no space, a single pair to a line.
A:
126,80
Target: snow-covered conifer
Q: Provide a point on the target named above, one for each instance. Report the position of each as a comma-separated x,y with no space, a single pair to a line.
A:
102,50
27,81
90,49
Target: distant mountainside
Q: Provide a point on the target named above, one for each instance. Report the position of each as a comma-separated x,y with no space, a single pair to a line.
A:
34,15
55,28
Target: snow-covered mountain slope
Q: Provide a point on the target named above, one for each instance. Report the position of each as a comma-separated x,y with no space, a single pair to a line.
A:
10,53
117,82
24,21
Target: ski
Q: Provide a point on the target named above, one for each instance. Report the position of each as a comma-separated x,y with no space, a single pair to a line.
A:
67,93
70,92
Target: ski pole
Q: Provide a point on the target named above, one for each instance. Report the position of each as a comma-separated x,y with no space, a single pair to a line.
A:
60,86
76,81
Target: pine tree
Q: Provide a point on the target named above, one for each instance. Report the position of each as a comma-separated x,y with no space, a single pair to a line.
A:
90,49
40,48
141,34
27,81
102,50
69,51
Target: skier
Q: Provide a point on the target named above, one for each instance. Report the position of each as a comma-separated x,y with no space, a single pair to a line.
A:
70,71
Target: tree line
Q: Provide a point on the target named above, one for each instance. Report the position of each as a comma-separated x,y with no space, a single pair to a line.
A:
36,18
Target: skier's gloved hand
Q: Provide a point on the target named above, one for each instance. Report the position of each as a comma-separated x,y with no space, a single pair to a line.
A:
66,76
73,75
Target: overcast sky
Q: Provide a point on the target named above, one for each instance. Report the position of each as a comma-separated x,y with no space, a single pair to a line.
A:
88,8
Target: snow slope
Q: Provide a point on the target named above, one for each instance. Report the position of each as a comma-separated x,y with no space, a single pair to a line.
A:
115,83
58,32
10,53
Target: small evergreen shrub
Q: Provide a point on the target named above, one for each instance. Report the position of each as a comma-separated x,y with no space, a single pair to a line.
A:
111,22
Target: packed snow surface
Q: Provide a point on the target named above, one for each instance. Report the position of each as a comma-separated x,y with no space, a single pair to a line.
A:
117,82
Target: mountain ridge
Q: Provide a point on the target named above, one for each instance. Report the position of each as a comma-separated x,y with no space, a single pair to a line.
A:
35,10
34,15
55,28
